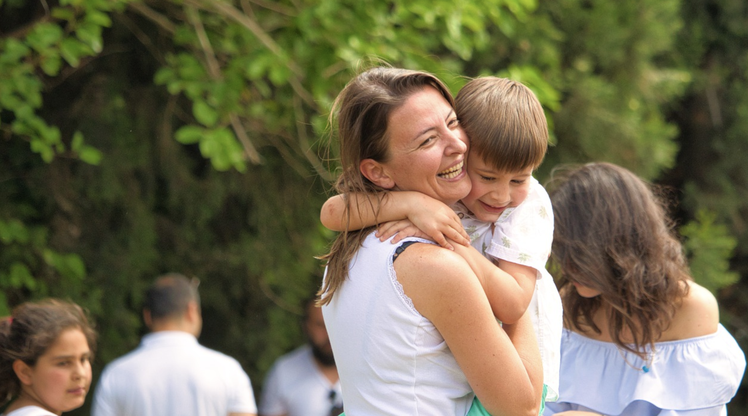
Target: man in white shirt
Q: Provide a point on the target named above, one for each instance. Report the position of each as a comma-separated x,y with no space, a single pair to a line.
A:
170,373
304,382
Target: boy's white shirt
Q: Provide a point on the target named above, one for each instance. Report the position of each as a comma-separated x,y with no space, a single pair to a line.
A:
524,235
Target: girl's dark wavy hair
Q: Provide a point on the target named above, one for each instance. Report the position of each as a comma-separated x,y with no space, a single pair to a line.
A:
612,234
30,330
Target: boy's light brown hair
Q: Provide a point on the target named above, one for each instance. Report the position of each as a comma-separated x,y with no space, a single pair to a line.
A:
505,123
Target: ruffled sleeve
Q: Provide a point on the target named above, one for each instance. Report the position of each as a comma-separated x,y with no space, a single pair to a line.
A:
696,373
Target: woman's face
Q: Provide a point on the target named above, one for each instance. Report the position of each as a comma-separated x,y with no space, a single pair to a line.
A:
427,148
62,375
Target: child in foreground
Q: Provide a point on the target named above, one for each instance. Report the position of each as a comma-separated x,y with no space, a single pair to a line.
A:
507,215
45,359
641,338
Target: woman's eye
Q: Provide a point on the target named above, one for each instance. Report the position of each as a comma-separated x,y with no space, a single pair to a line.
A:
427,141
453,123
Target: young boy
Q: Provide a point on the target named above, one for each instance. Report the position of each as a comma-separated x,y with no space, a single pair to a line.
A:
507,215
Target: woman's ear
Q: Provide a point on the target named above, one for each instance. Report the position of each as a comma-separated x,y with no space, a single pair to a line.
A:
376,173
23,372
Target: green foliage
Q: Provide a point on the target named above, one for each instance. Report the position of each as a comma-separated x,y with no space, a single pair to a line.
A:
168,135
73,33
27,264
717,178
614,85
232,68
709,246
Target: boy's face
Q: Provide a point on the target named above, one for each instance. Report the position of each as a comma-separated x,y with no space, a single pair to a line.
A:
493,191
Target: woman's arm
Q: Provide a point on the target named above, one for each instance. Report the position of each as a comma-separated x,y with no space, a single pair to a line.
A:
509,287
434,218
502,367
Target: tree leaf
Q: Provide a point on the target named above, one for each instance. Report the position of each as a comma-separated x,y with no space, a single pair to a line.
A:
204,113
189,134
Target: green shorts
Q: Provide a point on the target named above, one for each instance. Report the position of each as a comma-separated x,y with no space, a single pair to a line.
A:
477,408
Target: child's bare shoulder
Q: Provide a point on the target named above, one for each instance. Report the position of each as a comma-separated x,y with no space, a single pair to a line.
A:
697,315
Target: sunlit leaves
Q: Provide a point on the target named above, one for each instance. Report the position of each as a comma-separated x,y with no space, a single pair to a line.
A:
50,45
709,245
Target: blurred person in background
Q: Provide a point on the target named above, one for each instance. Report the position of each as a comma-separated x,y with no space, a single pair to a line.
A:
170,373
304,382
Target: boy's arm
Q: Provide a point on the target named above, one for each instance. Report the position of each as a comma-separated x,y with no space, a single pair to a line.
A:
433,217
508,286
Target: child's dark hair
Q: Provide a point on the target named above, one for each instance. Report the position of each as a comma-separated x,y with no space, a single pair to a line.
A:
30,330
504,121
612,234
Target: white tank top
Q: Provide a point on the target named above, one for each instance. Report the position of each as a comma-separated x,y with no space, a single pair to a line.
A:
391,359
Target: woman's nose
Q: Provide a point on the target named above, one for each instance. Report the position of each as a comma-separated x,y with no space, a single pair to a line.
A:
459,142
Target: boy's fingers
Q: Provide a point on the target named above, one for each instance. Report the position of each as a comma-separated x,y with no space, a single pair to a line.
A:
457,237
439,238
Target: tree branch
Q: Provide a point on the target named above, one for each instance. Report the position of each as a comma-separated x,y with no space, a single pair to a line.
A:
278,8
241,133
227,10
154,16
303,141
214,68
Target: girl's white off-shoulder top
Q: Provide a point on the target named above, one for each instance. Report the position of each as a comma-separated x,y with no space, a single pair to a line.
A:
695,376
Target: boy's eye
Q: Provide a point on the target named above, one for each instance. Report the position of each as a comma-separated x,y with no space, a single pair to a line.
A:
519,181
486,178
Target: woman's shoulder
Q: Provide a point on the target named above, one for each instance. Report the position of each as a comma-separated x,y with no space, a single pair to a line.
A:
696,315
429,264
432,276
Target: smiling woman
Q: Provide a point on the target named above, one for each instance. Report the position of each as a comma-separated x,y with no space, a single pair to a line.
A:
411,328
45,359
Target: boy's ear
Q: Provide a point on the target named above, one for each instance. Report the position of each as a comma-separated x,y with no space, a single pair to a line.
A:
376,173
23,372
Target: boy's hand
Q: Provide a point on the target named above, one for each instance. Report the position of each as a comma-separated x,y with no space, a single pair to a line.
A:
438,221
405,228
400,229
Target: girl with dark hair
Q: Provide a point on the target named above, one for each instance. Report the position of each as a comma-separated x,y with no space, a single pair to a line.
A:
46,350
641,337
